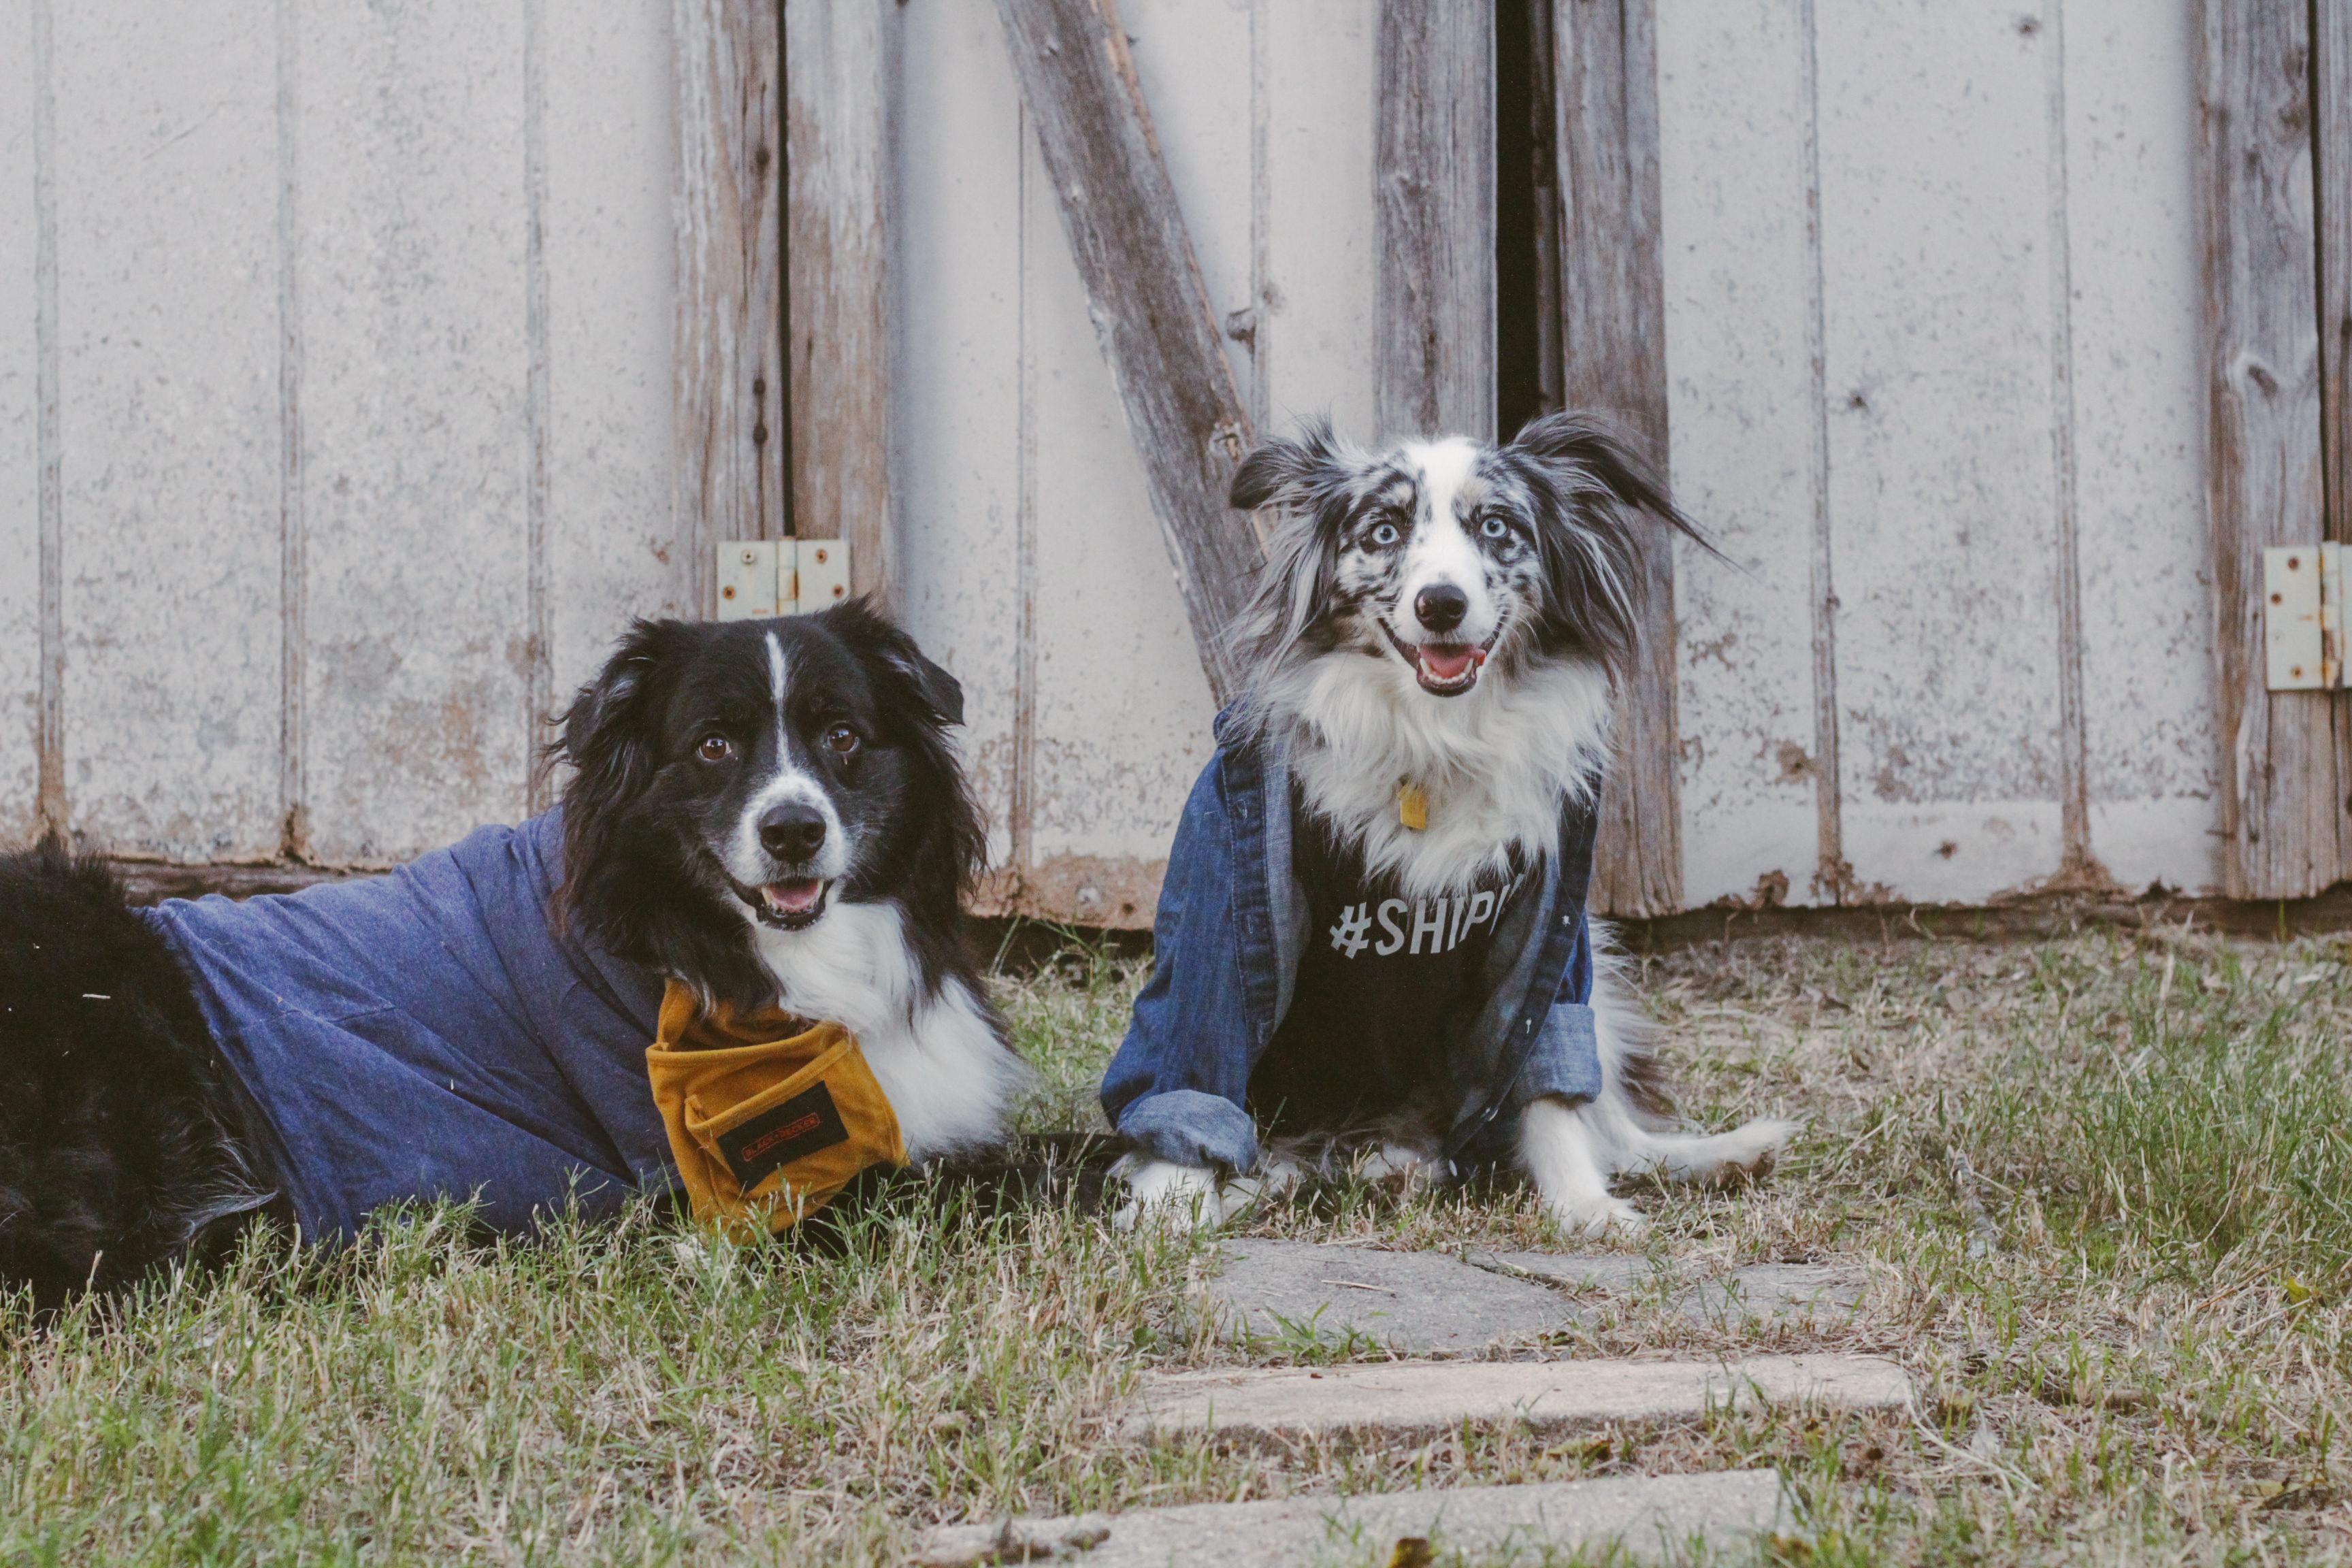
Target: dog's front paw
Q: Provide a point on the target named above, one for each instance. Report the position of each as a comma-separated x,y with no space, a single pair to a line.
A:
1598,1217
1161,1192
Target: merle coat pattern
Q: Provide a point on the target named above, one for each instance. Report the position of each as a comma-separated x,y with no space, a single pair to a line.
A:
1452,614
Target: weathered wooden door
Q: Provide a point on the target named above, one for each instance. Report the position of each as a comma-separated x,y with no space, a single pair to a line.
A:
2276,82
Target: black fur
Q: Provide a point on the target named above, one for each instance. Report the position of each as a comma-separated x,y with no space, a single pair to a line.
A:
120,1139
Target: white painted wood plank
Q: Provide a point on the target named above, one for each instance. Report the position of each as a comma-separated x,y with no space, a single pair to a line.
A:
20,460
1192,57
416,441
1936,219
1123,708
1318,334
1739,281
2147,609
167,223
612,551
956,405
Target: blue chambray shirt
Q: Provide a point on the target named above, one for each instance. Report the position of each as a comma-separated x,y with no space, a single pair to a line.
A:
432,1033
1230,926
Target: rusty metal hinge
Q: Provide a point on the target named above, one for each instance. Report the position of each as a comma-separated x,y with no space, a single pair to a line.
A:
2304,590
762,577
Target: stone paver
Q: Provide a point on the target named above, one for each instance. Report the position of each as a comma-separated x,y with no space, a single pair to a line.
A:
1648,1515
1418,1395
1823,1293
1411,1301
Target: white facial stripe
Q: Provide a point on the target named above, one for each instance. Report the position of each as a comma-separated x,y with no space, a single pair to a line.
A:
747,862
1441,550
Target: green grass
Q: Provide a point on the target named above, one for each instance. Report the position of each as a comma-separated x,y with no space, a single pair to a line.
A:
2101,1188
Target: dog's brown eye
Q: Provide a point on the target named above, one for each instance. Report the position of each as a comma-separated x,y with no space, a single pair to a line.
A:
715,749
842,739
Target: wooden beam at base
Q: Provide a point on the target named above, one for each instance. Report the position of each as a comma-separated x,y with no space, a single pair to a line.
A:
2283,807
1151,311
1434,174
727,478
837,59
1613,361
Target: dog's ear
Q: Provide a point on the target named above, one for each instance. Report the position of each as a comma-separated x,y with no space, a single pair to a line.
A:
1590,459
607,737
896,665
1289,472
612,739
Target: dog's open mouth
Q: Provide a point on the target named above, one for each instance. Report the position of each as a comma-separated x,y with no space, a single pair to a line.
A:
796,903
1444,668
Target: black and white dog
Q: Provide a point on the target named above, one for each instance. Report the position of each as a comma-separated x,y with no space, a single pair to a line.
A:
769,811
1448,615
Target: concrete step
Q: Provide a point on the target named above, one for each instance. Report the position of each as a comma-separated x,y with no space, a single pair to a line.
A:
1284,1294
1296,1294
1779,1293
1404,1397
1649,1516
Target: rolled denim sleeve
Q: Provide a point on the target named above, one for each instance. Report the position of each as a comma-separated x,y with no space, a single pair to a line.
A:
1565,1060
1179,1083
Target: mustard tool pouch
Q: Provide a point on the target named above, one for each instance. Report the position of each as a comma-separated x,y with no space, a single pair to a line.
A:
768,1116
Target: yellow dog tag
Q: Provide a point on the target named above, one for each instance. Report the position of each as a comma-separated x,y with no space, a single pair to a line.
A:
768,1116
1413,808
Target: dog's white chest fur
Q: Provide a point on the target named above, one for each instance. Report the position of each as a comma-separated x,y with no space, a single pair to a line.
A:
1495,763
937,1059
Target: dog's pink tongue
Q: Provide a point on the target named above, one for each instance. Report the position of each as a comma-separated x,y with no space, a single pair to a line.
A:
1447,663
792,898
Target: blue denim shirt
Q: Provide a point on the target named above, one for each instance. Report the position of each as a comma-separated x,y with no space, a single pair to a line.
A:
432,1033
1230,927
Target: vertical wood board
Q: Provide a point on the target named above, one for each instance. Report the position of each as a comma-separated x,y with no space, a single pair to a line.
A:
1738,275
2281,797
1935,213
1316,334
1434,174
2147,594
954,401
1122,708
2331,74
20,445
415,429
728,201
837,94
167,210
1613,361
612,550
1160,335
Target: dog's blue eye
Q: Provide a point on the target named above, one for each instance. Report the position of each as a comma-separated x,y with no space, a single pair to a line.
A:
1494,528
1385,534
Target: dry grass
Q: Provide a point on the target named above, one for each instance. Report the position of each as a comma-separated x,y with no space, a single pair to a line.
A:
2100,1187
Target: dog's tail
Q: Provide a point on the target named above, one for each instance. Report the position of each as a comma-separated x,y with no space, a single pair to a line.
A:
1633,1116
119,1146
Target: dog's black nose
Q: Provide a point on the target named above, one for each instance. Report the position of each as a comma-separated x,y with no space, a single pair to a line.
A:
1441,606
794,831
